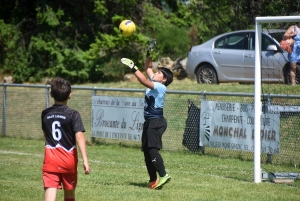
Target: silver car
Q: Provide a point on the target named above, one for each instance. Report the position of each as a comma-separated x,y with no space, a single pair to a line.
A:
230,57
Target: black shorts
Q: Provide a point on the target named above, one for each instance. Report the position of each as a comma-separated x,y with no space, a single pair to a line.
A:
152,133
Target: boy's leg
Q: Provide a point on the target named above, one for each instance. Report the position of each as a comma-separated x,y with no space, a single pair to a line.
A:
69,181
69,195
156,129
150,166
50,194
160,168
51,184
157,161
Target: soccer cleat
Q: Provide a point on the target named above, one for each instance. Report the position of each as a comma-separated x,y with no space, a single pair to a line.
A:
163,181
152,184
127,62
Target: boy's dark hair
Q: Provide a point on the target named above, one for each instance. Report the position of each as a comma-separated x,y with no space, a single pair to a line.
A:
60,89
167,74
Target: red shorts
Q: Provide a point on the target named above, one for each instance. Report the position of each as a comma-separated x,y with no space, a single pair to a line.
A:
56,180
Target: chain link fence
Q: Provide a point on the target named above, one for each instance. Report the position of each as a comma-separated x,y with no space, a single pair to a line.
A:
22,106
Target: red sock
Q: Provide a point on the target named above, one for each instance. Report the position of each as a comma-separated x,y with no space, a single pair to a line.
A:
69,199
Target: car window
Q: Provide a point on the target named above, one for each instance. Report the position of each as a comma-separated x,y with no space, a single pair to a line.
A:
265,42
277,35
231,41
250,43
220,43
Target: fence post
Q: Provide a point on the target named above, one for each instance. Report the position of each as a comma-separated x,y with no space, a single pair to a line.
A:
47,95
203,97
4,111
269,156
94,92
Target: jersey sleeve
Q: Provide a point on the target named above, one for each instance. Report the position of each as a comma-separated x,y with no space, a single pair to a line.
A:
77,123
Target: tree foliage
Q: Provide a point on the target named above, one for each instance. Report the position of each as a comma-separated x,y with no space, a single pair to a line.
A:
80,41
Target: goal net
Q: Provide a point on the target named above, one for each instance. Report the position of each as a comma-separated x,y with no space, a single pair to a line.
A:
275,94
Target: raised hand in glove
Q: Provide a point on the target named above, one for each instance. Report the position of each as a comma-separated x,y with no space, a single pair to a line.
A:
151,48
130,64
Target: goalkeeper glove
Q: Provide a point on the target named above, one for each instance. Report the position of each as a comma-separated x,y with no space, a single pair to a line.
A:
130,64
151,48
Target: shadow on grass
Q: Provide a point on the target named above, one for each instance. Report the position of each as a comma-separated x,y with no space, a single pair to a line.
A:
239,179
295,184
143,185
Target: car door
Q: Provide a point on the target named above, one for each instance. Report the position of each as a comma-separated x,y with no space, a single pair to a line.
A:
228,53
271,63
249,56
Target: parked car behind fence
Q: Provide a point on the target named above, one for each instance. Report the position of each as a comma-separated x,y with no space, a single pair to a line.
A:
230,57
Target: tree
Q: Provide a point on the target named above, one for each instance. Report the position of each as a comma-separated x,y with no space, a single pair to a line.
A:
80,40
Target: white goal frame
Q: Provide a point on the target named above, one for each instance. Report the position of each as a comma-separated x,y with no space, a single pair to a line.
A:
257,87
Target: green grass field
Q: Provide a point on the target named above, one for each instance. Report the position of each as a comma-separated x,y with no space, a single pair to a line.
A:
118,173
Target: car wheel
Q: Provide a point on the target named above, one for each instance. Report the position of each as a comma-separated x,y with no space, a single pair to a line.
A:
287,77
207,75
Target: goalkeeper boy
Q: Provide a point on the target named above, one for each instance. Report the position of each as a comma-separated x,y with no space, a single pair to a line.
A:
155,124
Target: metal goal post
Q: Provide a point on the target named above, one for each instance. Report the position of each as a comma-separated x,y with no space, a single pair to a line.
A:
257,87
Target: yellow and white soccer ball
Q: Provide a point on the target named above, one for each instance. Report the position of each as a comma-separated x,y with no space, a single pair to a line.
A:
127,28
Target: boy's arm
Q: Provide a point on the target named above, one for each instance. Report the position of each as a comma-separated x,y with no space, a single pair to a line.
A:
81,143
148,67
139,75
44,134
143,80
148,64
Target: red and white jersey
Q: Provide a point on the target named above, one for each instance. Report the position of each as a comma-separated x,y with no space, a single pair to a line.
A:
60,124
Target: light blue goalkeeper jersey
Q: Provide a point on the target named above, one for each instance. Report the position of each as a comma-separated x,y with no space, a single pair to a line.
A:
154,101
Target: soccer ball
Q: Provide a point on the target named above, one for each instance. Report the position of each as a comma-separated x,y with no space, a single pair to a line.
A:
127,28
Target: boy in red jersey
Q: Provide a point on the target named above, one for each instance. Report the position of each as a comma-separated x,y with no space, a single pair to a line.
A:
62,128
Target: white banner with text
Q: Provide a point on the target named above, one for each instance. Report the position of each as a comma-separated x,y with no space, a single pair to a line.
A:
117,117
230,125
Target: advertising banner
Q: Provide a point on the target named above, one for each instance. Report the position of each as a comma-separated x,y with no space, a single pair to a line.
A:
117,117
230,125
